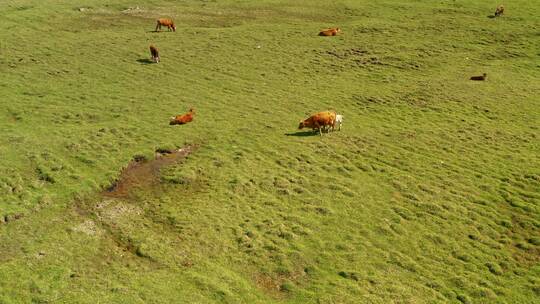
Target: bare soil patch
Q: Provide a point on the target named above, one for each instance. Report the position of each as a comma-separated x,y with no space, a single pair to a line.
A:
142,173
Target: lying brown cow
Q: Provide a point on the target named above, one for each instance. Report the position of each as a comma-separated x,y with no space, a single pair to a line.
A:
483,77
165,22
182,119
499,11
330,32
154,53
319,121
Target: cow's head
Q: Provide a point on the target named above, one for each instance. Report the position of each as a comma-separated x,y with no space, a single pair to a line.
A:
301,125
174,28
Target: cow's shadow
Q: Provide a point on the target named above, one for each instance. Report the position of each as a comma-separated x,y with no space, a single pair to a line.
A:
303,133
145,61
491,16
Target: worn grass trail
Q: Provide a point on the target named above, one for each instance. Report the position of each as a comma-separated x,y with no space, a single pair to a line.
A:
429,194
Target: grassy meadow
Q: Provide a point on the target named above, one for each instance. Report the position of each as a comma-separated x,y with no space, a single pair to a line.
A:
430,193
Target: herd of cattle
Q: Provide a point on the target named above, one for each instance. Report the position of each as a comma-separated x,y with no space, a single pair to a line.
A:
321,121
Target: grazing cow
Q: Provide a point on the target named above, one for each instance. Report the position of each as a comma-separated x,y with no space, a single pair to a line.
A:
182,119
319,121
483,77
165,22
330,32
338,122
154,53
499,11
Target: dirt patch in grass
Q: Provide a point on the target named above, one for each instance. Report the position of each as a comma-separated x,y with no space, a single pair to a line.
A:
119,207
142,173
526,251
279,286
88,227
275,287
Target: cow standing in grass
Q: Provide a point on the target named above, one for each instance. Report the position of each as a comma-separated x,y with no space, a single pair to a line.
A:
319,121
182,119
154,53
499,11
165,22
338,122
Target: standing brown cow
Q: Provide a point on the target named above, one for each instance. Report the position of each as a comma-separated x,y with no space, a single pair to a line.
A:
154,53
319,121
165,22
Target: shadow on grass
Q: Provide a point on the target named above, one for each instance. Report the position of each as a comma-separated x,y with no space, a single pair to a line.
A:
145,61
302,133
491,16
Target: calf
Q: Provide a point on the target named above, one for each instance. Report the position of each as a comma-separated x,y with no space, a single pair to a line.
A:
499,11
483,77
319,121
154,53
338,122
330,32
182,119
165,22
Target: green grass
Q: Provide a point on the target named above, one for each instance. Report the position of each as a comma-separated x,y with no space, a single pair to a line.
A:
429,194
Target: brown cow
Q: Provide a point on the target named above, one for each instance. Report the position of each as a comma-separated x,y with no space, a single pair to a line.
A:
182,119
165,22
154,53
319,121
330,32
483,77
499,11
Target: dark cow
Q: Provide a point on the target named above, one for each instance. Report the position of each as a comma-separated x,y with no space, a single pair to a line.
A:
499,11
154,53
481,78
